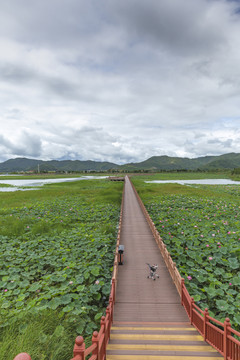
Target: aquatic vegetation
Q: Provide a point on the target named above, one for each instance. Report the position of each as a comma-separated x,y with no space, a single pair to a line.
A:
56,263
203,237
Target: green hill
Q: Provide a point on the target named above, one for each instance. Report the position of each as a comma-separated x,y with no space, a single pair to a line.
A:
227,161
155,163
168,163
24,164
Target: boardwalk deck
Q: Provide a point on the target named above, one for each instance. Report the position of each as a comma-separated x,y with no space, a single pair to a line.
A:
149,321
139,298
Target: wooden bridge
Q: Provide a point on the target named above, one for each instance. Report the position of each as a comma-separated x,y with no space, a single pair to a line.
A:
147,319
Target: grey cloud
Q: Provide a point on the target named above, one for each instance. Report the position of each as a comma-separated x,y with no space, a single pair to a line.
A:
15,74
211,145
182,26
224,144
119,80
89,143
54,23
58,86
27,144
199,135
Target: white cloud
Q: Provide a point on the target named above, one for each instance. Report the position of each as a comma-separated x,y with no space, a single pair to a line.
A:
119,81
26,144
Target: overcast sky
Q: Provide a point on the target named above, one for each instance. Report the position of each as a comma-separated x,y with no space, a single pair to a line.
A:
119,81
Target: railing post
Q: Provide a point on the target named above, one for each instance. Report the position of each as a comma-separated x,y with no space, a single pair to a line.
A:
103,324
227,325
191,310
95,340
182,285
79,348
111,303
205,324
114,288
23,356
109,315
174,273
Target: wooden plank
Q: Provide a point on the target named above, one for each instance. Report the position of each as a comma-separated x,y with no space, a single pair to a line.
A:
150,357
157,337
139,298
161,347
143,328
149,323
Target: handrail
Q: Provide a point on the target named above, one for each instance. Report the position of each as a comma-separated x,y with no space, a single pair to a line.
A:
99,339
221,339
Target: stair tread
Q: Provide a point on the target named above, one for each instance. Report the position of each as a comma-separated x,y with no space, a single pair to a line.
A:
161,357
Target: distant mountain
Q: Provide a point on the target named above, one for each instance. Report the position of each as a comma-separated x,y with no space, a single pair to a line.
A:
24,164
167,163
170,163
227,161
155,163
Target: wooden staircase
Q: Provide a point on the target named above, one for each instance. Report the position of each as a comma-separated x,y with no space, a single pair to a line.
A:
158,341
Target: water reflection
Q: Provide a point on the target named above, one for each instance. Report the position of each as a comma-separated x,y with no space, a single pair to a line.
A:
17,183
7,189
197,182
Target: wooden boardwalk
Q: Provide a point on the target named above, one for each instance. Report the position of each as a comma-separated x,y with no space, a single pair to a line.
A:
149,320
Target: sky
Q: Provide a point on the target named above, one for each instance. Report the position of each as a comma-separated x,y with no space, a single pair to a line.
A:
119,81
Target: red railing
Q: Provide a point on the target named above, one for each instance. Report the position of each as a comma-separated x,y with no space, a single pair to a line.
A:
219,335
99,339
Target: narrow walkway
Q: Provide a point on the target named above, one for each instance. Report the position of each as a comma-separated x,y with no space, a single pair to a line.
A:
149,321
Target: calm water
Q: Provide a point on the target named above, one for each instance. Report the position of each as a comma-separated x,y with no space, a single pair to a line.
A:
16,184
198,182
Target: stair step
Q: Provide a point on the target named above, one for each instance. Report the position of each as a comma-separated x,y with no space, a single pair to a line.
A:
160,347
162,341
140,328
161,357
157,337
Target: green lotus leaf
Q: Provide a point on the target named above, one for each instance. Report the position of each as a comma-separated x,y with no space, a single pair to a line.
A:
65,299
98,316
6,304
237,319
81,328
211,292
54,303
201,278
220,292
236,280
24,284
222,305
219,271
233,263
68,308
34,287
80,288
197,298
12,285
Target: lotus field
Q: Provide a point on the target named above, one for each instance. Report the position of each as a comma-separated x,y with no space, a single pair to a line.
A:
56,262
201,229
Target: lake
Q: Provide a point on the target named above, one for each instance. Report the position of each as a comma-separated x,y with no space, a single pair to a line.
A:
197,182
16,184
